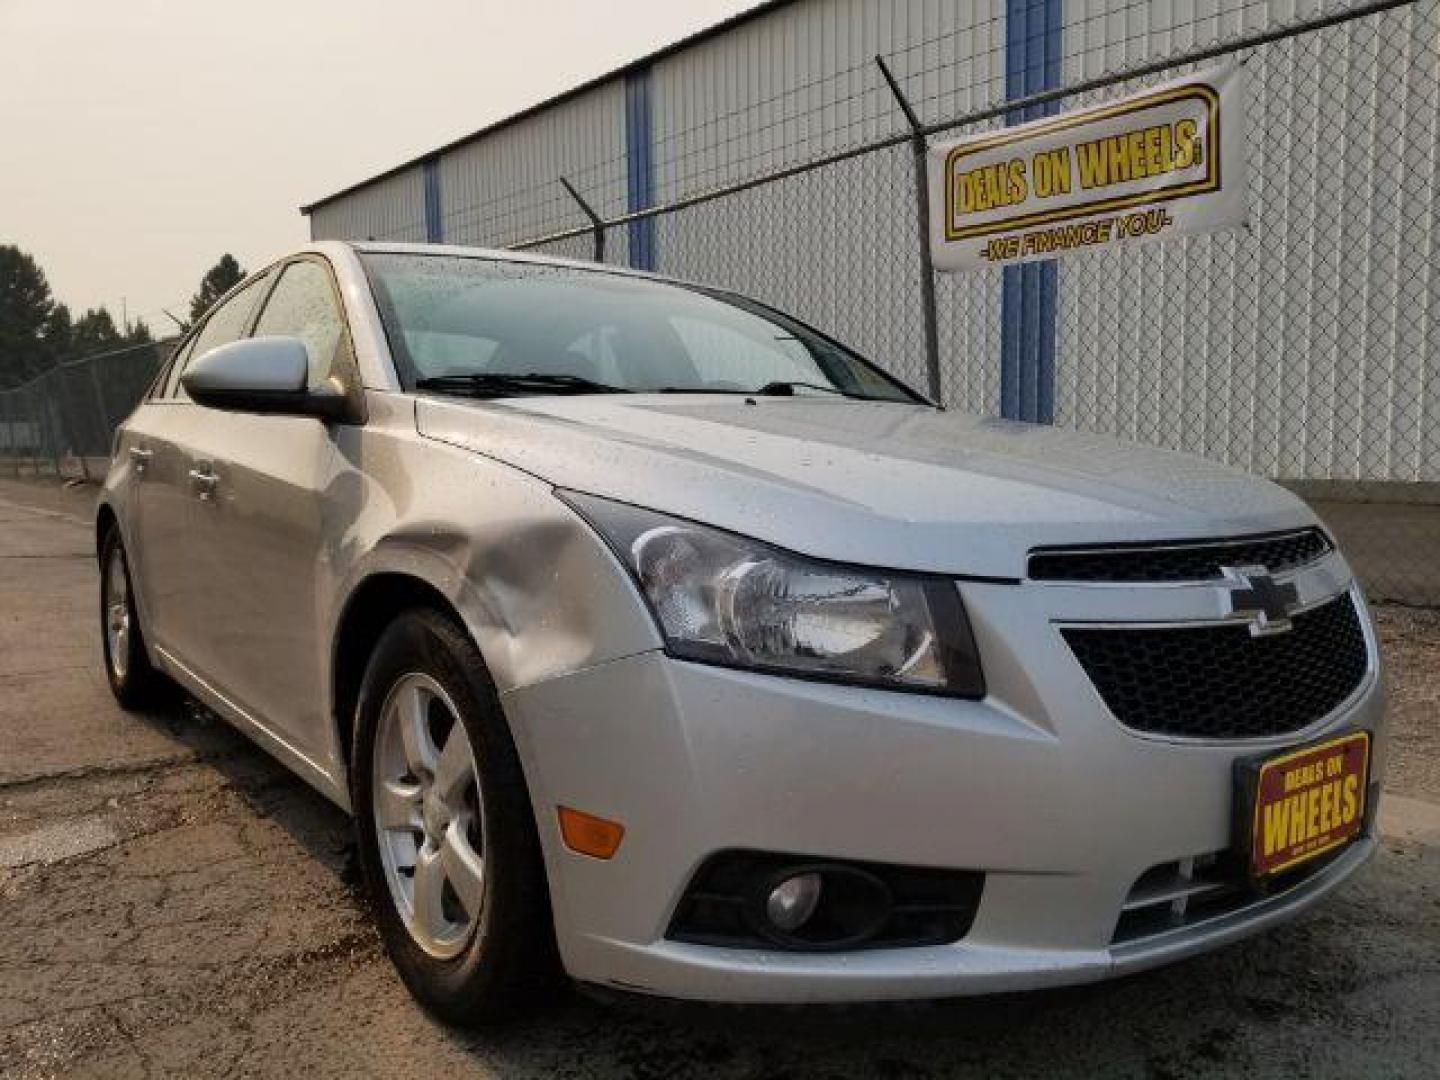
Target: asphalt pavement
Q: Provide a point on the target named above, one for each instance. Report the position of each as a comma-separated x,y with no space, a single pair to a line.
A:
172,902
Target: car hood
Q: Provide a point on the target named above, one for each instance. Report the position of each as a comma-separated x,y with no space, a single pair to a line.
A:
894,485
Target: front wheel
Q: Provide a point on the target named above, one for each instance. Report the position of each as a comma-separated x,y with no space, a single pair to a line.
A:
133,680
447,837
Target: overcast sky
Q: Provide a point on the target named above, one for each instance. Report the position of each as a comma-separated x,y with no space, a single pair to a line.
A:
140,139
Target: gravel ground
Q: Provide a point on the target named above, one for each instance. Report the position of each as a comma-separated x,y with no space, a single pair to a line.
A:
1410,643
173,903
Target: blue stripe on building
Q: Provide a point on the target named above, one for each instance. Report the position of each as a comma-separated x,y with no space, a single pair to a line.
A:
1033,30
434,225
640,167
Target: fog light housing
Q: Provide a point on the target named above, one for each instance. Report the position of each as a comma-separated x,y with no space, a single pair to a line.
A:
792,902
771,900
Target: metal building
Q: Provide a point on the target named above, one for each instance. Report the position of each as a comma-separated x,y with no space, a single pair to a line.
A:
1303,348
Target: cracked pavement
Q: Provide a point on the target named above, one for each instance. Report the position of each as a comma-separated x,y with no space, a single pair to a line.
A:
172,902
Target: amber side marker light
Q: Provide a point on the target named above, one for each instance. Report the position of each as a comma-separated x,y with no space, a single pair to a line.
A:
590,835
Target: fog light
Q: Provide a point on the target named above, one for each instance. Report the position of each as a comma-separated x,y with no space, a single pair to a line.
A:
792,902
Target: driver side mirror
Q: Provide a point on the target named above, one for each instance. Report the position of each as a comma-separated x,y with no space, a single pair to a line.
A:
262,375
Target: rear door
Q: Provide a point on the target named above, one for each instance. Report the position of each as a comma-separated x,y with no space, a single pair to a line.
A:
158,447
260,533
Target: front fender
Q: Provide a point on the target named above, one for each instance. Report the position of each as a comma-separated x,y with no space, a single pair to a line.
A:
539,592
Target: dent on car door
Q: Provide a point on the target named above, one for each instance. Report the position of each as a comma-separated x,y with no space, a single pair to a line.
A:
261,529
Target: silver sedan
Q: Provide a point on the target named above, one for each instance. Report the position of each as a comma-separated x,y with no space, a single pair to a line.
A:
654,637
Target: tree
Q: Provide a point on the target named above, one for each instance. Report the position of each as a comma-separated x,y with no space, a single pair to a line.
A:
137,333
218,280
60,333
25,308
95,332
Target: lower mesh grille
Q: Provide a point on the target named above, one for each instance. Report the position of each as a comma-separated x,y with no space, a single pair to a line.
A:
1178,894
1220,682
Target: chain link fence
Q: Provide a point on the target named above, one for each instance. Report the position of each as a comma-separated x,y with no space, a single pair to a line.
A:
62,422
1302,347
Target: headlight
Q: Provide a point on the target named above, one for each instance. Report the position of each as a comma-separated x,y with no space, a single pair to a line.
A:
726,599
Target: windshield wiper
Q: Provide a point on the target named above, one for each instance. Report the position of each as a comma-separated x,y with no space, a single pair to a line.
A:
778,388
787,388
491,384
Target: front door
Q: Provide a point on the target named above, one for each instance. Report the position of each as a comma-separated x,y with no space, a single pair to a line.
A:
259,529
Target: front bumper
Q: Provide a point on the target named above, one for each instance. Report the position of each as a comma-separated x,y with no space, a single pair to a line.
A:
1037,786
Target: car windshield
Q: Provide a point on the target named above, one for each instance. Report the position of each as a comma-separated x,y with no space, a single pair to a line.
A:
493,328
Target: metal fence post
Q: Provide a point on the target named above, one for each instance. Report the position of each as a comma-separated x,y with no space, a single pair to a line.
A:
922,220
596,221
102,416
55,419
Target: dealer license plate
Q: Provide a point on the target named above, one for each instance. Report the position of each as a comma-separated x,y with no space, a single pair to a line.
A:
1304,803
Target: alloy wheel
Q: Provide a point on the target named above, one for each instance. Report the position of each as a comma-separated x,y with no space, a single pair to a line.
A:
428,820
117,613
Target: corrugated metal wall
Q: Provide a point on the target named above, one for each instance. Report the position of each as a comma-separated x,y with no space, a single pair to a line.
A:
505,187
801,80
1102,36
1296,348
390,209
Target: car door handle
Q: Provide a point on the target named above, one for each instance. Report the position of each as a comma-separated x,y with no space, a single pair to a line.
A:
204,481
140,458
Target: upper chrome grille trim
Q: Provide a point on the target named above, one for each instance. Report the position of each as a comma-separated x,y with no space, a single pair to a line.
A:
1236,544
1313,601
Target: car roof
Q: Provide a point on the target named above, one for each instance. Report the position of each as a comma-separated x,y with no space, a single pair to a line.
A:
497,254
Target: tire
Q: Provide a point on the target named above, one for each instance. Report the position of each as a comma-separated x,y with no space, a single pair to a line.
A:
468,967
133,680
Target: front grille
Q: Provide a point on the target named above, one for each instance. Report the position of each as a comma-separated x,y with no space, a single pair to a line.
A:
1220,682
1199,560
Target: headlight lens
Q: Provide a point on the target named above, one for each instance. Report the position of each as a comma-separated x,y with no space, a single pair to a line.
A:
726,599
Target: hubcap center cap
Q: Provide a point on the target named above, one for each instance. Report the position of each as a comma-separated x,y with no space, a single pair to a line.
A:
436,815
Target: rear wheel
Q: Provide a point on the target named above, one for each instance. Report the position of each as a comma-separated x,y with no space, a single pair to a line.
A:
447,837
133,681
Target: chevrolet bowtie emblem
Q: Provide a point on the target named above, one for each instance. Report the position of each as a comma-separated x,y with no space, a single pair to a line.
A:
1258,597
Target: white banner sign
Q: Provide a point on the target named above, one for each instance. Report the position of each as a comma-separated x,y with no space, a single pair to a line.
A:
1162,163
